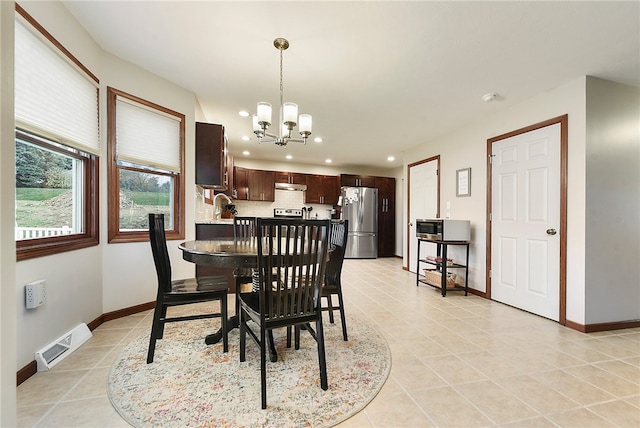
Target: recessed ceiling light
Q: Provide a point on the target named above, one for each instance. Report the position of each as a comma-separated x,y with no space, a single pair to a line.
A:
245,138
243,113
289,157
328,161
391,158
318,139
246,153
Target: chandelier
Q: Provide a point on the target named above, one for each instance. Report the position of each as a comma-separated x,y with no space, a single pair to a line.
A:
288,115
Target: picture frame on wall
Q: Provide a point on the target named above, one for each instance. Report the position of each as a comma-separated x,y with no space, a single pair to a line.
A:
463,182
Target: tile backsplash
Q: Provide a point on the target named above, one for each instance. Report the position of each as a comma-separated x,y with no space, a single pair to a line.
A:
283,199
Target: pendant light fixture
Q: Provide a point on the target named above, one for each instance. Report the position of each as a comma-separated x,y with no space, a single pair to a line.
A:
288,114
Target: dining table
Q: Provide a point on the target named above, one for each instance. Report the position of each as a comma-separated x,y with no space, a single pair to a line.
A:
226,253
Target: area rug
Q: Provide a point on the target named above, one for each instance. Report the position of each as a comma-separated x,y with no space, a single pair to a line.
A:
190,384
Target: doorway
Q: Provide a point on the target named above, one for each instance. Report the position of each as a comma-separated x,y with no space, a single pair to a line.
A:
526,218
423,201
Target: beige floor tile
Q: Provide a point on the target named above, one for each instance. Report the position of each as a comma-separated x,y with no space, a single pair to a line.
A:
396,410
537,422
47,387
453,369
79,414
609,382
448,408
88,358
359,420
622,369
29,416
579,418
577,389
541,397
619,412
93,385
496,403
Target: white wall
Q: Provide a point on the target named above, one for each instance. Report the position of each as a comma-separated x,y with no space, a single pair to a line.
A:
612,202
7,221
84,284
467,147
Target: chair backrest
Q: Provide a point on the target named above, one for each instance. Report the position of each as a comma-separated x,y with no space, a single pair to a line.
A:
338,245
292,256
244,227
159,249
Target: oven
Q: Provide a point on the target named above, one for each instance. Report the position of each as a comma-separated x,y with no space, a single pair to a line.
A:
287,212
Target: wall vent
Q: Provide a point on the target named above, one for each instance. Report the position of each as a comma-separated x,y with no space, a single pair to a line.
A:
58,350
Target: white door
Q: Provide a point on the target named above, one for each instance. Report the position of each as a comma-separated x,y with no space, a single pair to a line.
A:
525,221
423,203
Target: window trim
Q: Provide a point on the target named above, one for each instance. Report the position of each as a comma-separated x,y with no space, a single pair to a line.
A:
40,247
115,235
32,248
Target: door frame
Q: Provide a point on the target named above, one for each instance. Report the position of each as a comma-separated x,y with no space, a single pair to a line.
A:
563,121
408,223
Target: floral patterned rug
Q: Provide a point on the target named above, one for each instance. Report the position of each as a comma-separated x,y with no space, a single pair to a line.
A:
190,384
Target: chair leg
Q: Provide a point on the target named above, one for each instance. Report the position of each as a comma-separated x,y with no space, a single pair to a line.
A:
263,366
344,320
296,338
288,336
163,316
156,330
322,361
243,335
225,329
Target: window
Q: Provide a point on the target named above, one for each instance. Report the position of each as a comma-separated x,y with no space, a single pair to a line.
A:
57,145
146,160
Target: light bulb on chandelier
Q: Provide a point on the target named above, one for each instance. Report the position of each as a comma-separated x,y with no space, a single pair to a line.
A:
288,115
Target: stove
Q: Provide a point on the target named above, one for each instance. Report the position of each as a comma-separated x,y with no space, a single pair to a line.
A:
287,212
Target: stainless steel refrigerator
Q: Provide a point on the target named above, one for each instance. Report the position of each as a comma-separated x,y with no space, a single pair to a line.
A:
360,207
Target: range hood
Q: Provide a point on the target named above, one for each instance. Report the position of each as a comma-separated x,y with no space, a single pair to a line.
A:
290,186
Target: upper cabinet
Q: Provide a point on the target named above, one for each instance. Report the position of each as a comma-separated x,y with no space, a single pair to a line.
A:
261,185
290,177
211,156
386,216
322,189
357,180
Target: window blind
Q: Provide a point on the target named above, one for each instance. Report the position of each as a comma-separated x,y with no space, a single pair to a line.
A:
147,137
53,97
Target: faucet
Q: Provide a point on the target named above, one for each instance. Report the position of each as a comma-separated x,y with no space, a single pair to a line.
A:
216,214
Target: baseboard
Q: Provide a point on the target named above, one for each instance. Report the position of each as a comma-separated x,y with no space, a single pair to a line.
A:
32,368
607,326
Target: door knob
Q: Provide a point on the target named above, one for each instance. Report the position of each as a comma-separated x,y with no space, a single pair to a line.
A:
551,231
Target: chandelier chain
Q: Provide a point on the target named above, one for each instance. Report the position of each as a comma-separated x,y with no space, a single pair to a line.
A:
281,84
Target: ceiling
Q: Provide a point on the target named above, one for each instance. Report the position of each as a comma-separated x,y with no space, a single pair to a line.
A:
378,77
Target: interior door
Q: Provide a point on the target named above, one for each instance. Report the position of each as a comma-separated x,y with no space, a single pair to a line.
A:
424,191
526,220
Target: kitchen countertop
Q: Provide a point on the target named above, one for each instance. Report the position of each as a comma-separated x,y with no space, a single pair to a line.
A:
228,221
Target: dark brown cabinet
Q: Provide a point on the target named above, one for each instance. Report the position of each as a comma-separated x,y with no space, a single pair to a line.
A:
322,189
357,180
290,177
261,185
211,156
386,216
241,183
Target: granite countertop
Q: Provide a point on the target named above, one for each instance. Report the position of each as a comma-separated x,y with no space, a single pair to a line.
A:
226,221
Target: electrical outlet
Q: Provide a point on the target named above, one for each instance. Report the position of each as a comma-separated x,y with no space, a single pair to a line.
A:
35,294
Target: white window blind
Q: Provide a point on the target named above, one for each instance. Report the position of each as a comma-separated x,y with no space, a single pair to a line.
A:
147,137
53,97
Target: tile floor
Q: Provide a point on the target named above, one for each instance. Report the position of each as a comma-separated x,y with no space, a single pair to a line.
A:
457,362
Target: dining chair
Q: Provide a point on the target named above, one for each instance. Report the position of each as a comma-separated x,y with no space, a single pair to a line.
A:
332,279
292,257
181,291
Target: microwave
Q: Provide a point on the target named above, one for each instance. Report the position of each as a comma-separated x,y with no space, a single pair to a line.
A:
443,229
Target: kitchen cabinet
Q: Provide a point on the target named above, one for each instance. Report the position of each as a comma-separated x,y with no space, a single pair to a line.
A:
386,216
357,180
211,156
241,183
322,189
442,265
290,177
261,185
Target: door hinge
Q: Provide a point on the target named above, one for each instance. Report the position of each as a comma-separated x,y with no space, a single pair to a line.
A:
489,273
491,159
490,216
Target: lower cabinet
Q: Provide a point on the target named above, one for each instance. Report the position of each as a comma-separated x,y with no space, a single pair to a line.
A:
211,231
